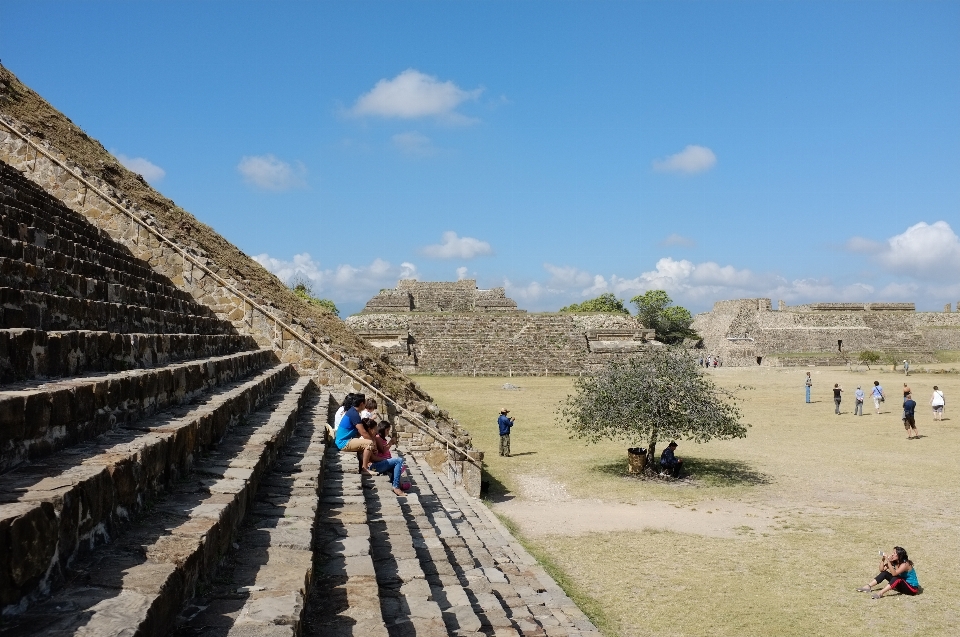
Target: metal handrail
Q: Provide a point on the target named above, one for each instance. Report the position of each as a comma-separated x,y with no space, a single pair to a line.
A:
412,417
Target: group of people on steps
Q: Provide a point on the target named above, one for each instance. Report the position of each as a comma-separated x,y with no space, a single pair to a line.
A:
360,430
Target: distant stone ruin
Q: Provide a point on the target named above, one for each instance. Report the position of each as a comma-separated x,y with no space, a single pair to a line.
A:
455,328
750,332
411,295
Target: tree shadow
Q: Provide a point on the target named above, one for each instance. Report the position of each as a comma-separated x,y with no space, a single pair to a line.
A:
710,472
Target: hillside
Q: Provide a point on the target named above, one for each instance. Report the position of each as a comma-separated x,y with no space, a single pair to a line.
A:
19,101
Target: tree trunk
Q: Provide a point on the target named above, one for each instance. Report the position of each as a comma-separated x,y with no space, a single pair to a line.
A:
652,452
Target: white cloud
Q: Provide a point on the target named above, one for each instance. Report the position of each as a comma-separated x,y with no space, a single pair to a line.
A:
692,159
267,172
678,240
453,247
461,273
344,282
413,143
413,94
567,276
144,167
922,251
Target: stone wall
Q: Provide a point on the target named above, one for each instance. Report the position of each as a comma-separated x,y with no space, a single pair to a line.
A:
745,330
411,295
507,343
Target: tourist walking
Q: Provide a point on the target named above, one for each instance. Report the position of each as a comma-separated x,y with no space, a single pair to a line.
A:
897,571
877,395
505,423
909,418
808,383
837,390
937,403
858,405
906,368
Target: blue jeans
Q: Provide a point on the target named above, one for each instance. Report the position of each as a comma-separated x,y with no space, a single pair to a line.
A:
808,394
386,466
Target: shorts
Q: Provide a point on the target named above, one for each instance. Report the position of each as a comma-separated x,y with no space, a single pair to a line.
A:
909,422
358,444
938,409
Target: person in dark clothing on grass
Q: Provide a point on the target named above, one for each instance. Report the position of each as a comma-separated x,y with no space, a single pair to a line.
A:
670,463
505,423
909,419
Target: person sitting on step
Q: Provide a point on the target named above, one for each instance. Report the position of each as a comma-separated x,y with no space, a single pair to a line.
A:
353,439
383,463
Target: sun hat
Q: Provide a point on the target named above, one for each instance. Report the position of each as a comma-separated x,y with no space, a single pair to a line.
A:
504,411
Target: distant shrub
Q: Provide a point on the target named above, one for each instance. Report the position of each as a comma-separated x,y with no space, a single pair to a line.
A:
606,303
302,288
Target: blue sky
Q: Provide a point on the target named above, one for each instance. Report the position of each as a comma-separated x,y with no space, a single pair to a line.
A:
805,151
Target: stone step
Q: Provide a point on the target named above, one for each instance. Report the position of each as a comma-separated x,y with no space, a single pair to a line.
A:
60,279
344,600
418,596
137,586
27,354
78,498
509,592
261,587
34,246
38,418
53,312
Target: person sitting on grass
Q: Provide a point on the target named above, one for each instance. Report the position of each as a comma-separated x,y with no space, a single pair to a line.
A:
897,570
383,463
670,463
353,439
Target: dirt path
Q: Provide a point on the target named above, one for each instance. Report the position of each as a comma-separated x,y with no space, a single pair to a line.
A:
545,508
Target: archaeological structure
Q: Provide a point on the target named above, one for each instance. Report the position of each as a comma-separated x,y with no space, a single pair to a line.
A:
750,332
164,462
455,328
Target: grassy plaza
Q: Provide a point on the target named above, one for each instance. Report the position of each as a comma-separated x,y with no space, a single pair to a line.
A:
770,535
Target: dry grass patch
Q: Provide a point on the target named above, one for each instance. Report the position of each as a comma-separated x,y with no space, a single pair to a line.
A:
772,534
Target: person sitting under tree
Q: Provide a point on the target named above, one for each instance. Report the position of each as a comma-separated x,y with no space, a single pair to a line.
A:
670,463
897,570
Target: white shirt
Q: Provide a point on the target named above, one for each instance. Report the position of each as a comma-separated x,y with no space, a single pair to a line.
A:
937,398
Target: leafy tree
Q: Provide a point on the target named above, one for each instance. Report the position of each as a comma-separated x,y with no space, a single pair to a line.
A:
607,303
661,395
868,357
656,310
302,288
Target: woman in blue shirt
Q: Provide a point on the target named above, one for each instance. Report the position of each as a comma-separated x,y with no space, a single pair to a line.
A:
897,570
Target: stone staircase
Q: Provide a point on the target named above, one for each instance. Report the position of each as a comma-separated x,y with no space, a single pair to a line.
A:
161,475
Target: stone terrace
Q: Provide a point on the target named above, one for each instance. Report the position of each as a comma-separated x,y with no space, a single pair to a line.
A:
162,474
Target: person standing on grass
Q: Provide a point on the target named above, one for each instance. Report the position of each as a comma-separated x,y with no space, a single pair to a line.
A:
906,368
877,395
909,420
858,405
837,390
808,383
937,403
505,423
897,570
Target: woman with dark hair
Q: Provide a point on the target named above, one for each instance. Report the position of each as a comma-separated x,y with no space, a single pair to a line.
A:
897,571
383,462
